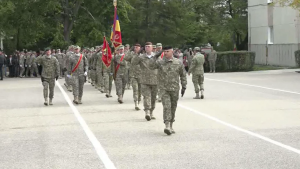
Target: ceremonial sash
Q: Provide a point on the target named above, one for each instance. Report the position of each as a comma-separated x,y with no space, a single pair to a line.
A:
77,64
162,55
118,66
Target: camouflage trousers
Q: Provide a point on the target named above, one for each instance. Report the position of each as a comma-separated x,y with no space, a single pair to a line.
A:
107,80
149,93
77,84
22,69
120,84
32,68
93,74
136,86
128,77
61,70
68,81
169,102
99,79
49,85
212,65
198,81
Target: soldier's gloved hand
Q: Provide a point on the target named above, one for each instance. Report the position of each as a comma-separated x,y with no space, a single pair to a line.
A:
21,66
38,64
29,66
25,65
182,91
69,76
56,78
85,73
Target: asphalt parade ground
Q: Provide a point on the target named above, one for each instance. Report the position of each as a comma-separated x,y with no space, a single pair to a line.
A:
248,120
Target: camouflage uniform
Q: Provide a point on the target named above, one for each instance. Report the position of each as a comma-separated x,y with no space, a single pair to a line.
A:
88,56
158,76
198,72
93,68
120,75
21,63
170,71
108,77
50,72
99,74
60,57
78,76
134,75
68,81
148,80
34,66
212,57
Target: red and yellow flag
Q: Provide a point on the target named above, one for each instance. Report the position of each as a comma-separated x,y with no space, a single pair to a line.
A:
116,36
106,53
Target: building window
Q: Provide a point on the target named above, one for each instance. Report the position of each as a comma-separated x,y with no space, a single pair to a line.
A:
271,35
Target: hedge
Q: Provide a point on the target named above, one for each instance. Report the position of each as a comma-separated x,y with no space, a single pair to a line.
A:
233,61
297,57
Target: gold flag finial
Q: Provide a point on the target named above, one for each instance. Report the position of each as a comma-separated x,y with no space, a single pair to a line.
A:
115,2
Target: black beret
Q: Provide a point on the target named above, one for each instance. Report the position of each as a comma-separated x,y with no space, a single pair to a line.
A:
167,47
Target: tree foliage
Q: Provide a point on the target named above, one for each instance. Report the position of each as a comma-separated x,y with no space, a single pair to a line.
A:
35,24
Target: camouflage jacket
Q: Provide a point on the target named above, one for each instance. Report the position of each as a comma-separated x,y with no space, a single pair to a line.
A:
29,60
147,75
60,58
21,60
197,64
83,65
122,68
50,66
98,62
170,71
212,56
67,58
135,70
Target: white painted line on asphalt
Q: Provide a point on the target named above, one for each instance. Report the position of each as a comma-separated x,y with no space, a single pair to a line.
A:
242,130
244,84
98,147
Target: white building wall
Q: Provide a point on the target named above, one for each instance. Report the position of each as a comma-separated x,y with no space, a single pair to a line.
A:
285,22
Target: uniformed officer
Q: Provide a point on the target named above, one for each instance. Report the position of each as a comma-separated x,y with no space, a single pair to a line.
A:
77,70
198,72
50,72
171,70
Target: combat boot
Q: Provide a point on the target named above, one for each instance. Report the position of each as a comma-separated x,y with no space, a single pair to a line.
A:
151,115
171,126
107,95
120,99
46,102
50,101
167,129
202,96
197,96
101,90
79,100
75,100
147,115
136,106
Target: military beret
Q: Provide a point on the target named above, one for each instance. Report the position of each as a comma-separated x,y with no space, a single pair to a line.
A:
158,45
154,46
46,49
120,47
167,48
197,48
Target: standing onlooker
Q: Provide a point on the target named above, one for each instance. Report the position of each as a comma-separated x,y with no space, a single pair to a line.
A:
9,63
2,63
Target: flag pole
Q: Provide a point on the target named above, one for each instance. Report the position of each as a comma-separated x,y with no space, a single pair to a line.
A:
115,17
